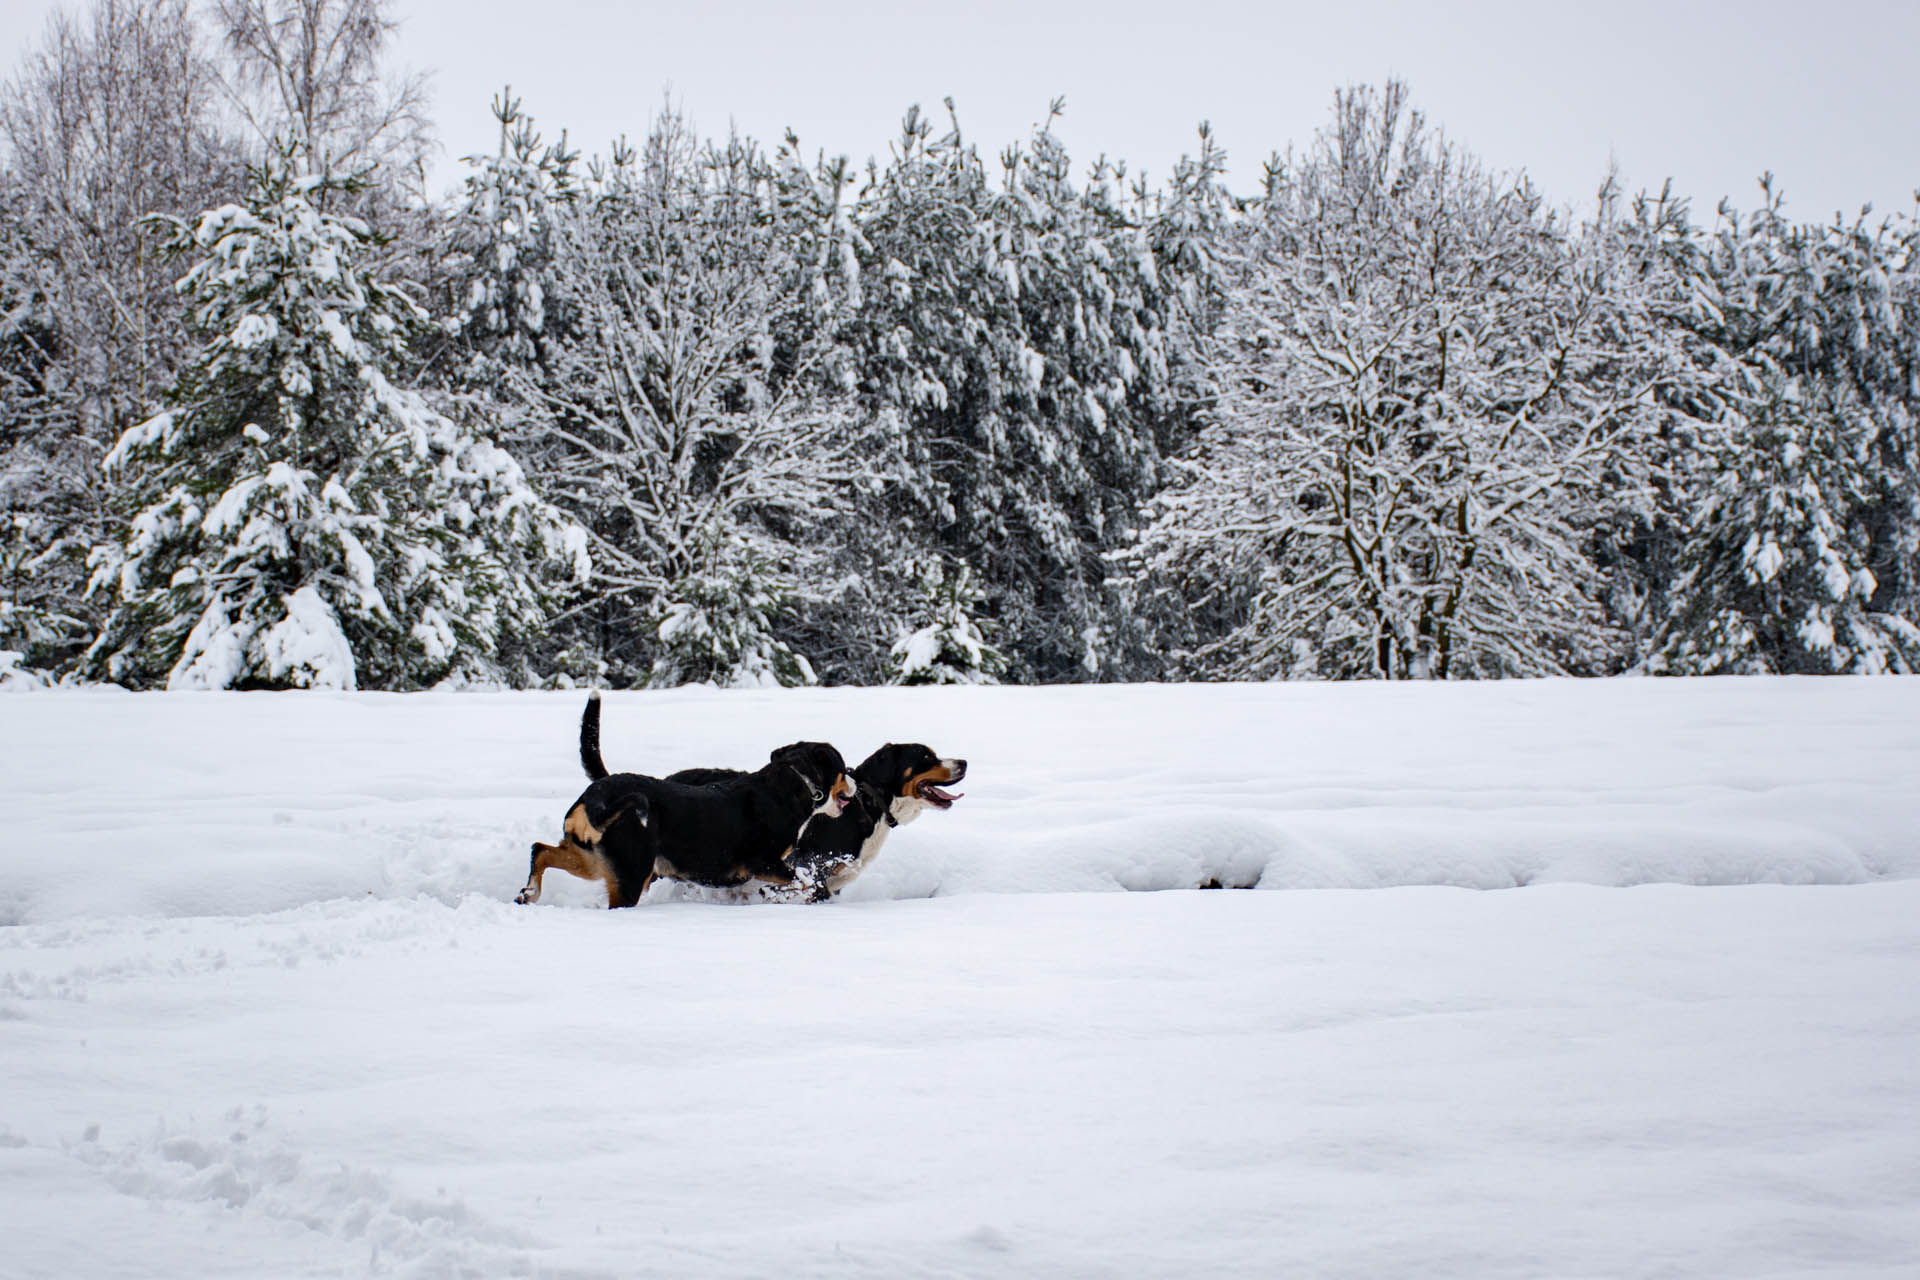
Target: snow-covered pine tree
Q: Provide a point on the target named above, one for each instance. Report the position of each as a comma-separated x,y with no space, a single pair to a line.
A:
1805,524
719,625
1892,520
1654,250
500,297
1193,224
859,579
1196,226
296,519
1422,385
951,646
1013,340
504,301
702,438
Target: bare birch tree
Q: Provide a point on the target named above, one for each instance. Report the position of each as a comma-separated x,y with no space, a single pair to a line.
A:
112,117
309,73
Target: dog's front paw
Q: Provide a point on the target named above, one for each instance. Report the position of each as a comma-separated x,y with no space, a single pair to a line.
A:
527,895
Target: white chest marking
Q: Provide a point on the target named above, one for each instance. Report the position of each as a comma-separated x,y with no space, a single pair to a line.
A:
905,809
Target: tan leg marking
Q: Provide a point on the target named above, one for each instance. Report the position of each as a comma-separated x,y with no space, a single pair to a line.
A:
588,864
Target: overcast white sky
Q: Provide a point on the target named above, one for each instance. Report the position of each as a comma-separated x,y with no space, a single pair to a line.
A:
1711,94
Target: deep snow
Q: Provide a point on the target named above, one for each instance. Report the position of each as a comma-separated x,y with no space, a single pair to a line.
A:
240,803
267,1010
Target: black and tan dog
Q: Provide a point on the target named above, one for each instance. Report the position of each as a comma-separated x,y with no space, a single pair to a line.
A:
895,785
627,828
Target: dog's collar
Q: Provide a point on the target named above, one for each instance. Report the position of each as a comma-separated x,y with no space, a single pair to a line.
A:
888,811
817,794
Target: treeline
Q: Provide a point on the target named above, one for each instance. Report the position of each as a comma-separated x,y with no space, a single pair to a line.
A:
702,410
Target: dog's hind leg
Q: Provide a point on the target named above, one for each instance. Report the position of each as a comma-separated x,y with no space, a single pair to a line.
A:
536,868
588,864
579,853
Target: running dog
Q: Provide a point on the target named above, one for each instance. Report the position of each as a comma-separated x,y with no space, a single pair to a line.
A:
894,785
628,828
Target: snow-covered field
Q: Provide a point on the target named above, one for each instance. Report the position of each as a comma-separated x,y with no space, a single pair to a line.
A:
266,1008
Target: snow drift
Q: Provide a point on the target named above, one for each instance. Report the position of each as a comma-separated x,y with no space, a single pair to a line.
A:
198,804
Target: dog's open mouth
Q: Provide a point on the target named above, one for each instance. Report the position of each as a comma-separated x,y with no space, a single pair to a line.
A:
931,792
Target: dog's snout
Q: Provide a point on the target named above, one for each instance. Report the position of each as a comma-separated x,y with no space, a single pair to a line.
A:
838,793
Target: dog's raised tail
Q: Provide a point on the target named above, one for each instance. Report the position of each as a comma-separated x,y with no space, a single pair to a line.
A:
590,738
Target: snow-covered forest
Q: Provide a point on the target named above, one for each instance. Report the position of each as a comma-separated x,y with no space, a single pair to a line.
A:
744,411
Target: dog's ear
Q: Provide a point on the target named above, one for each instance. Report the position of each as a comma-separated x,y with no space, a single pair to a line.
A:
821,757
828,760
899,762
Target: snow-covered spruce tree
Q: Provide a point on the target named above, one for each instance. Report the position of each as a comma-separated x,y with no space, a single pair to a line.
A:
1802,540
700,435
296,519
1012,343
951,647
1422,384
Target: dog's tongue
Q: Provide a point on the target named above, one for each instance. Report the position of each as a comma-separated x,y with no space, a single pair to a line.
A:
945,797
